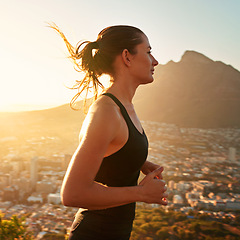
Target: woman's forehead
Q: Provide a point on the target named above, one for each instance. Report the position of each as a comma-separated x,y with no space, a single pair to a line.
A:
145,43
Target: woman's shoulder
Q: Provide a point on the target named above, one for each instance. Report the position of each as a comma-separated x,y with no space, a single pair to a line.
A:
104,109
106,105
104,115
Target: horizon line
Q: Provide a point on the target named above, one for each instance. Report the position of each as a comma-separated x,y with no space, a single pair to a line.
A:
14,108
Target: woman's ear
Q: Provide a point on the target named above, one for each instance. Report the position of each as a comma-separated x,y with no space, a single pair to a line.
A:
126,57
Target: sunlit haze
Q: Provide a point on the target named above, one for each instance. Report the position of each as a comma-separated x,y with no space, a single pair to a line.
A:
34,69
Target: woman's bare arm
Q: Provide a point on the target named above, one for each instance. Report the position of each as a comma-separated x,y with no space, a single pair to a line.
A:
79,188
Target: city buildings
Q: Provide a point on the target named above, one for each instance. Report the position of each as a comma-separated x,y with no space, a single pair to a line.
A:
201,169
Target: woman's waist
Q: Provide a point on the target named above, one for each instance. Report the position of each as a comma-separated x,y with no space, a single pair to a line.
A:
120,214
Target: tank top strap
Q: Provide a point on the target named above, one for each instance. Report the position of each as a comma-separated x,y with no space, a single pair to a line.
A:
122,108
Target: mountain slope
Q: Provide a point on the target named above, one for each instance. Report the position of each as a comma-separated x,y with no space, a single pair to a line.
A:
60,121
194,92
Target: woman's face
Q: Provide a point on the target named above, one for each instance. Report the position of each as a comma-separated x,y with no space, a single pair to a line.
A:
143,63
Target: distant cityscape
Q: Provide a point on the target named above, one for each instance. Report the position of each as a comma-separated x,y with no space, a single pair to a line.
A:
201,168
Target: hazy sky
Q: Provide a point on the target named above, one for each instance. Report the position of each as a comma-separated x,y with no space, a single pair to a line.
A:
33,65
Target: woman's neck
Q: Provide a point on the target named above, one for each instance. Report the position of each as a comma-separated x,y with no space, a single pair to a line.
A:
125,92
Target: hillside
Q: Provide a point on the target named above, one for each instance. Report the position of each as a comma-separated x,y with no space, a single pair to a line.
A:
194,92
60,121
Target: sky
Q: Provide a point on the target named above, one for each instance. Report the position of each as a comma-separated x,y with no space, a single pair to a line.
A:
34,69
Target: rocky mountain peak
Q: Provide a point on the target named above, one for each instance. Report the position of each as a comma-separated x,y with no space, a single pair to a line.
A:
193,56
194,92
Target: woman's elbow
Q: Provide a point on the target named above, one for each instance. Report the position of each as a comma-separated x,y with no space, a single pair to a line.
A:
66,201
67,195
72,199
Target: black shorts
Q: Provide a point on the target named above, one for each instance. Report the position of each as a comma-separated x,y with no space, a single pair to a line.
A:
90,227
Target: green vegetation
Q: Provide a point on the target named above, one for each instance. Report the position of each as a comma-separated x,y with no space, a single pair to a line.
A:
156,224
13,228
149,224
54,236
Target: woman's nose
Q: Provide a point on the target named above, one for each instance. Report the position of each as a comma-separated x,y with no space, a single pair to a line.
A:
155,62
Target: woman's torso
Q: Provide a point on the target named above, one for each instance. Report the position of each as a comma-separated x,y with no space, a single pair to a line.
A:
119,169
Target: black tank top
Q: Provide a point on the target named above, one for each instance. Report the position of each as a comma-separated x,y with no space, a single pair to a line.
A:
121,169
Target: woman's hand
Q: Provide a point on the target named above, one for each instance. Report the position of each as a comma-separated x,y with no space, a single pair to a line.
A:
154,189
149,167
